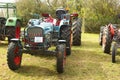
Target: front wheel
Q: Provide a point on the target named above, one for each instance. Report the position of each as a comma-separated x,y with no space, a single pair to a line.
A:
114,50
14,56
61,57
100,39
101,35
106,42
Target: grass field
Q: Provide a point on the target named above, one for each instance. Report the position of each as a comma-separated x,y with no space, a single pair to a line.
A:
87,62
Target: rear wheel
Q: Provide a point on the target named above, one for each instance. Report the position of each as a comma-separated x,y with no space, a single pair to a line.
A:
61,57
2,28
100,39
76,27
106,41
101,35
114,50
14,56
66,35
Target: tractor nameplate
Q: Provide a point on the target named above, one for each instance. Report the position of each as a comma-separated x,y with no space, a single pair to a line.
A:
38,40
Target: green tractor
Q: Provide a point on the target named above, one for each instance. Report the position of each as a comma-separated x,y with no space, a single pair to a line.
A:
10,24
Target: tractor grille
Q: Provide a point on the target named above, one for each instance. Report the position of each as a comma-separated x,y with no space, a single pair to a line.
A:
34,32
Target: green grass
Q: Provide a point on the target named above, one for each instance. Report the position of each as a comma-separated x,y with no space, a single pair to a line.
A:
87,62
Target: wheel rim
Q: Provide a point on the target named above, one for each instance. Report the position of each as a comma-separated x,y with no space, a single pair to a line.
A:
17,57
17,60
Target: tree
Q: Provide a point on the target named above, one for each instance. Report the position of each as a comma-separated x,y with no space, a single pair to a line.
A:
94,12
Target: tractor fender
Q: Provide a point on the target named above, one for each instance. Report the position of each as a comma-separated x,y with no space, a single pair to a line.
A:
12,21
112,31
64,22
61,27
16,40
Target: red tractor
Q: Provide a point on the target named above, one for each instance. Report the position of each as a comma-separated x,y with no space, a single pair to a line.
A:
110,35
106,37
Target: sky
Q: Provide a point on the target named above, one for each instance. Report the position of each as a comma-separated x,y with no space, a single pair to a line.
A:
7,0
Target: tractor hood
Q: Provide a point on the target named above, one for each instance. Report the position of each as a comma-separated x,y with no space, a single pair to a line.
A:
12,21
47,27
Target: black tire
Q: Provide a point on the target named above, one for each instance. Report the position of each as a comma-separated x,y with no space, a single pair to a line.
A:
100,39
76,27
65,34
2,28
106,42
114,50
14,56
101,35
61,57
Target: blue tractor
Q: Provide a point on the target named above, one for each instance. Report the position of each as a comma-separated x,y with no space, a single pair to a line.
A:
39,36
